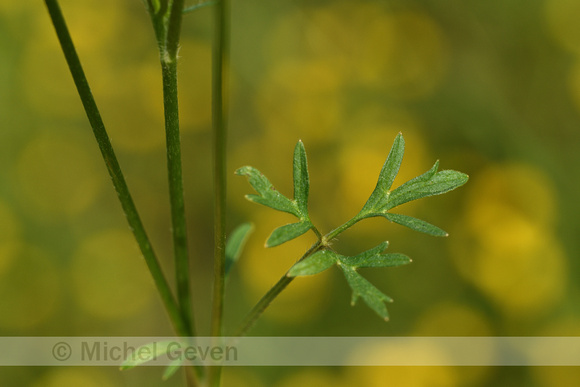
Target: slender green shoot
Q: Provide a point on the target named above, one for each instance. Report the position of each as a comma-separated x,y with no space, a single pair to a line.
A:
113,166
219,122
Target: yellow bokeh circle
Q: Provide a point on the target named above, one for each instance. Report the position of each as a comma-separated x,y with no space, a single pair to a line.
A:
366,44
73,377
29,289
57,175
506,245
395,353
300,97
109,277
562,19
312,378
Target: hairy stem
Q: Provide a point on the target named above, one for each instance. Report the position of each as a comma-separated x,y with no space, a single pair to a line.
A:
113,167
178,223
219,61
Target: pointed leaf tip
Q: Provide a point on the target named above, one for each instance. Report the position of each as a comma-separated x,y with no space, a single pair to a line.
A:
301,179
387,175
235,244
415,224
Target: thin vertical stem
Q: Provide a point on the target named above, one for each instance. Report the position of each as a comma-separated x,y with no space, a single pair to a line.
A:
174,169
219,61
113,166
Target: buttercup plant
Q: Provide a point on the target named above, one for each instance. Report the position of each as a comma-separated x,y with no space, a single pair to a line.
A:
166,17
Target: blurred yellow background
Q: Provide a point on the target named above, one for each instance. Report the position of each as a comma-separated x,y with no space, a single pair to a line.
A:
490,88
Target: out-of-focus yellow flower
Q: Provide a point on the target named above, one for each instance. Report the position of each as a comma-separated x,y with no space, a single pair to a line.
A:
47,84
450,319
312,378
562,18
109,277
57,176
506,246
407,376
29,289
563,375
302,98
74,377
367,44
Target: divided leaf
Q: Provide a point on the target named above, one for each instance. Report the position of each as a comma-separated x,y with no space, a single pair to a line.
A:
428,184
287,232
372,296
324,259
269,196
379,203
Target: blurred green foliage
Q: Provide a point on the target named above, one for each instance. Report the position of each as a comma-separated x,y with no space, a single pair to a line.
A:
491,88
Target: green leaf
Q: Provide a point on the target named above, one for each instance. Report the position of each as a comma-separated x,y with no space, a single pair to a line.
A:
269,196
314,264
156,5
301,180
388,173
195,7
428,184
372,296
374,258
172,368
287,232
146,353
235,245
416,224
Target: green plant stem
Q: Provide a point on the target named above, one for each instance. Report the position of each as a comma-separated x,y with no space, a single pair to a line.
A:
267,298
219,61
174,169
326,240
174,28
113,167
